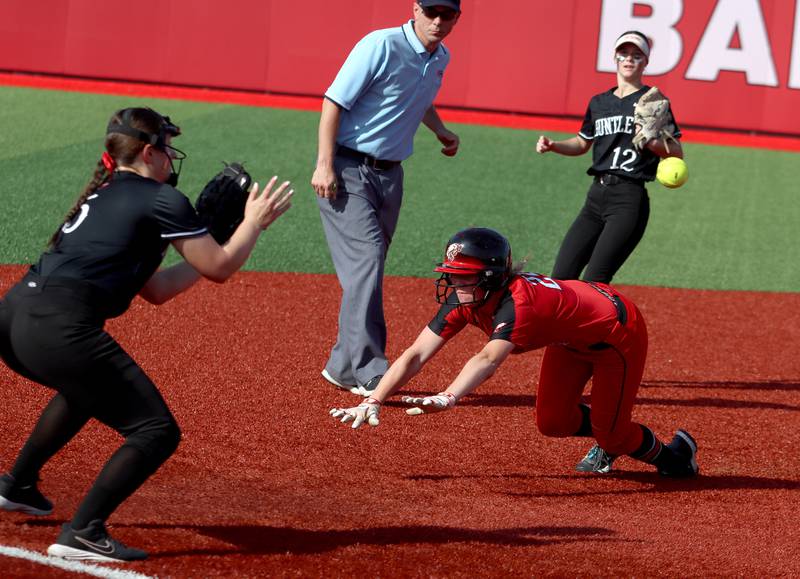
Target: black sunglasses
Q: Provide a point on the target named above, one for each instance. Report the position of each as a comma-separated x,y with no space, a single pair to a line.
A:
433,12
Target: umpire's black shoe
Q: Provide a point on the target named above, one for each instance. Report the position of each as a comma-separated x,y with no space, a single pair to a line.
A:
684,449
24,498
92,544
368,388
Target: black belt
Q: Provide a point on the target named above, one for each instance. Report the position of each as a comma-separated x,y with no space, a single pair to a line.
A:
622,315
622,311
78,287
364,159
609,179
101,301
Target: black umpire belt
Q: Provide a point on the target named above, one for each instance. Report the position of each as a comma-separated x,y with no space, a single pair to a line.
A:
364,159
609,179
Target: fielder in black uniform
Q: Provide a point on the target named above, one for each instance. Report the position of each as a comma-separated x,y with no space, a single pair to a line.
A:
614,217
107,251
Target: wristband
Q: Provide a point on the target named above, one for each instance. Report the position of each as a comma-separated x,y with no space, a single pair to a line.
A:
450,397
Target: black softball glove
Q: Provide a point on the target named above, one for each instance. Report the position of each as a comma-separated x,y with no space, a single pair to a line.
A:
220,204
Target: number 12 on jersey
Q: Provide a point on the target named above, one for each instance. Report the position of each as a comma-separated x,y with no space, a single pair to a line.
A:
626,164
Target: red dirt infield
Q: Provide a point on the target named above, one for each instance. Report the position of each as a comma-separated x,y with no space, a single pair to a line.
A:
266,484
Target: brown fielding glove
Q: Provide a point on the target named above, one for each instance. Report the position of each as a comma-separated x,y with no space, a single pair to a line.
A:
221,203
651,113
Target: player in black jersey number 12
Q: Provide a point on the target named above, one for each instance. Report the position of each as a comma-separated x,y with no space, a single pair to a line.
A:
613,219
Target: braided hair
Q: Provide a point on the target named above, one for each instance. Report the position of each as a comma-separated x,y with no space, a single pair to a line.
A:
119,149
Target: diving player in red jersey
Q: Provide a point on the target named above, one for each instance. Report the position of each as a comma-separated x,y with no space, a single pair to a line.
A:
589,330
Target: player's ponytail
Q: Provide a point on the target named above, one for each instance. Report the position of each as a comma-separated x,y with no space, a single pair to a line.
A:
518,267
100,177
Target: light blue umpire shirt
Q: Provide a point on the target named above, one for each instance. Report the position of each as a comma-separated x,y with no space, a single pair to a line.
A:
385,87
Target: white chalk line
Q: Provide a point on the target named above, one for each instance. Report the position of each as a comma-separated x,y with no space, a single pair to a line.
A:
76,566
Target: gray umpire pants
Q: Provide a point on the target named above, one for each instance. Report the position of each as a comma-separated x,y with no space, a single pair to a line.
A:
359,225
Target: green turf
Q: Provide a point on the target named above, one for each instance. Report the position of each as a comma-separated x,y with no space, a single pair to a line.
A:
729,227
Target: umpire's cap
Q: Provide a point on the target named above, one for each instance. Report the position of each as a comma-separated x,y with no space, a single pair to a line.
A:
454,4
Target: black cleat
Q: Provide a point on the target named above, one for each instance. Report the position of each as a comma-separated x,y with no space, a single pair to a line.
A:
685,448
23,498
92,544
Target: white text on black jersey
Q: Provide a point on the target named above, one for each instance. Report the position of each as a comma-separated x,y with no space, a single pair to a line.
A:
612,125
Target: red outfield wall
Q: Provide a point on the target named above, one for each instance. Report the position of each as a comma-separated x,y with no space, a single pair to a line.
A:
731,64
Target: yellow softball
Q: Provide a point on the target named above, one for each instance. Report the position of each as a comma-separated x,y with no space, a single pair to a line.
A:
672,172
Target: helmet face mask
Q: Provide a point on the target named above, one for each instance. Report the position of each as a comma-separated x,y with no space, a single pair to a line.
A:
447,287
475,251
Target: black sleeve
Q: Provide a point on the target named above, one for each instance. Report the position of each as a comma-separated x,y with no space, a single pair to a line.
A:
175,215
449,321
504,319
587,128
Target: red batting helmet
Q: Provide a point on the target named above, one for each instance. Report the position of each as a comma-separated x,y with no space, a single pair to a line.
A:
480,251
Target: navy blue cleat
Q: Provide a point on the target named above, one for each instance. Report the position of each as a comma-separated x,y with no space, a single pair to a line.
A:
684,447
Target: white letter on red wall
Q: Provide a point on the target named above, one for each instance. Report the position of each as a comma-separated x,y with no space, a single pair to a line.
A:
617,16
794,66
714,53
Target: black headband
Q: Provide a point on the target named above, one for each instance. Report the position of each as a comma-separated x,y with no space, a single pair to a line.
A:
159,140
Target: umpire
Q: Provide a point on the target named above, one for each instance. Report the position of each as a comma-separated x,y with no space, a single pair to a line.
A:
51,322
370,114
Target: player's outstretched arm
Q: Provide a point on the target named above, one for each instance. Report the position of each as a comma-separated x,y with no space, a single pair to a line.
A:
475,372
218,263
405,367
571,147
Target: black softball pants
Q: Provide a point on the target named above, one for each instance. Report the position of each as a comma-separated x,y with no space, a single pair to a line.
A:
605,232
51,332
